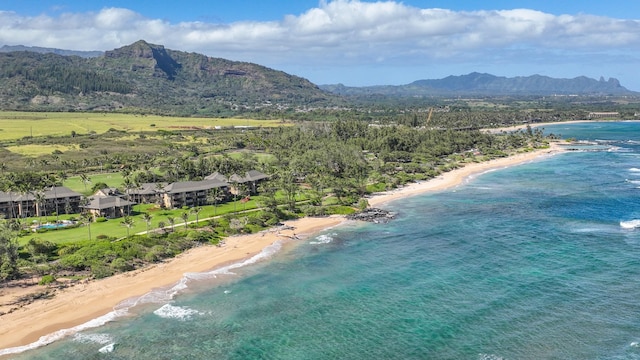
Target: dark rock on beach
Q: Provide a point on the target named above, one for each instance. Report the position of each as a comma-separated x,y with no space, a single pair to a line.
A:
373,215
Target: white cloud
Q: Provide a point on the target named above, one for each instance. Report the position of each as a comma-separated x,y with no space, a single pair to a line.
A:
341,31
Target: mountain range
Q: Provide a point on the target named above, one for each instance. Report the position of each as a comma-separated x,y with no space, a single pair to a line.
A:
45,50
490,85
149,78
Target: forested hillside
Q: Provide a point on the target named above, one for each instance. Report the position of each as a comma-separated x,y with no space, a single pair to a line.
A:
148,78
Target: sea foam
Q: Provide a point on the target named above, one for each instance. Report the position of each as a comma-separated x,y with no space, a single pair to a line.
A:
266,253
48,339
631,224
165,295
101,339
322,239
107,348
169,311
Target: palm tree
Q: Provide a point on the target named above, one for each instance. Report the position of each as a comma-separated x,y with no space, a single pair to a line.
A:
147,219
87,218
196,211
161,225
52,181
172,221
85,180
129,185
128,223
23,189
8,185
212,197
185,217
40,199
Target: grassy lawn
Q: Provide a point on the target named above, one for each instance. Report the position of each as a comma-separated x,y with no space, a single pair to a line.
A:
236,155
75,182
114,227
16,125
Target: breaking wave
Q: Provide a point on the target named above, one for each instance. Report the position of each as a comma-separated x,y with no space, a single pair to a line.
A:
322,239
169,311
48,339
631,224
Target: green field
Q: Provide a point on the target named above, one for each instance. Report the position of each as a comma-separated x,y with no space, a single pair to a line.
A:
16,125
35,150
75,183
113,227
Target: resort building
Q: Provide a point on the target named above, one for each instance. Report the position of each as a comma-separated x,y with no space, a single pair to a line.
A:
57,199
109,191
147,193
108,207
191,193
599,115
250,180
110,202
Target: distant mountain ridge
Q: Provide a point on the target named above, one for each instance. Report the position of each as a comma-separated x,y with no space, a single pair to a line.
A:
45,50
486,84
144,77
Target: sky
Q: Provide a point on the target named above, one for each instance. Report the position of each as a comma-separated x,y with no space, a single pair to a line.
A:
355,42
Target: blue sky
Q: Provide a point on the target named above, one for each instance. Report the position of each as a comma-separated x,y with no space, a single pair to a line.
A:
355,42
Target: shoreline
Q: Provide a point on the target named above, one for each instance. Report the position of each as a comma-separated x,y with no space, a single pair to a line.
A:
79,304
458,176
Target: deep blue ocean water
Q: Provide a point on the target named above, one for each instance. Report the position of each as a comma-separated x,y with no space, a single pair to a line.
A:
535,261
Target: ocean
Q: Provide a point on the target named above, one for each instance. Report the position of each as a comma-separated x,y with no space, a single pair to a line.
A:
535,261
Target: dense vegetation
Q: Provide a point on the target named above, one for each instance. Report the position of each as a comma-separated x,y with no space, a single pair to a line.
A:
316,168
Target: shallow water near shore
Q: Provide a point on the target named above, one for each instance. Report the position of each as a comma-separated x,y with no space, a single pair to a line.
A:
536,261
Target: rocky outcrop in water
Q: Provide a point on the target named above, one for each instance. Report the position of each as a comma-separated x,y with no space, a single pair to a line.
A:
373,215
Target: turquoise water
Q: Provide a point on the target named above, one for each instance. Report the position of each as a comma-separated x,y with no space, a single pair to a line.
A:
536,261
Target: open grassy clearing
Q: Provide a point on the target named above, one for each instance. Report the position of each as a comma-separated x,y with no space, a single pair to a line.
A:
16,125
75,183
35,150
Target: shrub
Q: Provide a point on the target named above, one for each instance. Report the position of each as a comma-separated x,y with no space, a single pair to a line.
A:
47,279
340,210
363,204
100,271
74,261
310,210
101,219
121,265
155,254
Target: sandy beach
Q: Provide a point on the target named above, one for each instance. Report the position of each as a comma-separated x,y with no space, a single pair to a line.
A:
457,176
533,126
81,303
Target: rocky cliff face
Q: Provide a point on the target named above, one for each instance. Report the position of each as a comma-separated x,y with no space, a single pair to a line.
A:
147,57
